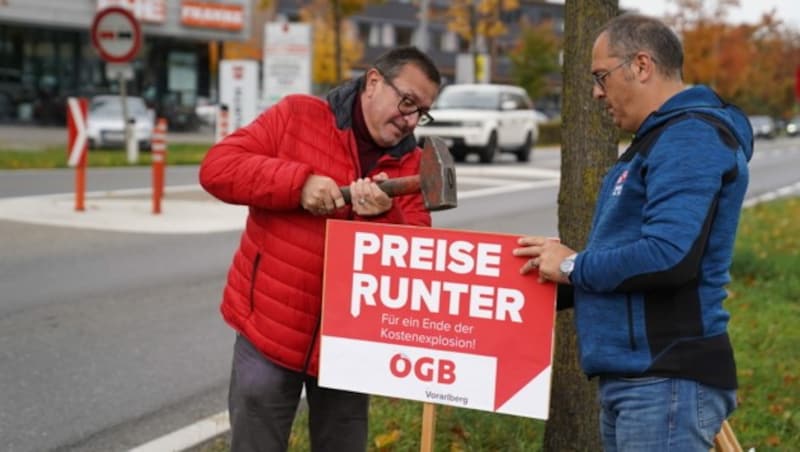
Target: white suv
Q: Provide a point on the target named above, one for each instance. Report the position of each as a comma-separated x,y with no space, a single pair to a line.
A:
485,119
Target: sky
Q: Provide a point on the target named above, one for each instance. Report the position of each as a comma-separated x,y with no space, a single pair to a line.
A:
748,11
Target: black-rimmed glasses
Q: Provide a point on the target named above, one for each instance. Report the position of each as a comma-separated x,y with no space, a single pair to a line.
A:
407,106
600,77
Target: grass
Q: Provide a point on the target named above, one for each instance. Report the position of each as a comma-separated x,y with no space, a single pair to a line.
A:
765,307
56,157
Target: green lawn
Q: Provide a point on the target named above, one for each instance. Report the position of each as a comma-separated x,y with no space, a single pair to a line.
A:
765,307
177,154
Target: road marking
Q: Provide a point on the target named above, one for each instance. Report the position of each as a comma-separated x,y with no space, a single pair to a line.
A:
130,210
772,195
508,171
189,436
507,189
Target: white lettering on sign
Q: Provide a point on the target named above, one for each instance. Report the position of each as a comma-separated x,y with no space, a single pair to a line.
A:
435,296
212,15
426,254
482,302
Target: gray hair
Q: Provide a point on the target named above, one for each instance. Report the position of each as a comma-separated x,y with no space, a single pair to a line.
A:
390,63
632,33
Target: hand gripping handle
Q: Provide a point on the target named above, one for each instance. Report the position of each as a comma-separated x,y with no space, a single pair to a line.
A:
393,187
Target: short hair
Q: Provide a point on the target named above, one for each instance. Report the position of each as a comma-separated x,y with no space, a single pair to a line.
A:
390,63
631,33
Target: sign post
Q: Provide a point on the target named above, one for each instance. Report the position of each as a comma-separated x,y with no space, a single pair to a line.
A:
78,145
434,315
117,36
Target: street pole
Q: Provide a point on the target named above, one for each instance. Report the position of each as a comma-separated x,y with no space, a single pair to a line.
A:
132,156
422,31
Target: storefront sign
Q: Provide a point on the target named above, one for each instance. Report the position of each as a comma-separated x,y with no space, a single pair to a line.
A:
212,15
153,11
287,60
434,315
238,90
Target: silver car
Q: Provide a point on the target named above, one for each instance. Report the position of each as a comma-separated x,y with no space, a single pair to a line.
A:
106,127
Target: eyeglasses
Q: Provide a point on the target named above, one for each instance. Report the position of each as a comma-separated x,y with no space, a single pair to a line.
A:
600,77
407,106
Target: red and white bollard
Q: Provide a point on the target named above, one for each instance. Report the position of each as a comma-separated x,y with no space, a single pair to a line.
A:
78,140
158,151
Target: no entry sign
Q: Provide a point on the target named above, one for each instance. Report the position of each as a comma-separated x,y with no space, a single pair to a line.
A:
435,315
116,35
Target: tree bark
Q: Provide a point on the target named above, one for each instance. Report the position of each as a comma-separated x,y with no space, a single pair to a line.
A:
589,147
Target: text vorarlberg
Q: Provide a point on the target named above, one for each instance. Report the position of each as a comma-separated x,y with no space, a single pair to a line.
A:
435,296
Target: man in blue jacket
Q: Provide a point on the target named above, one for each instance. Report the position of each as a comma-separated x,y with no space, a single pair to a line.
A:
648,288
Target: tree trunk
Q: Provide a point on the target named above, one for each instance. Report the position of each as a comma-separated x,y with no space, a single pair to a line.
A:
589,147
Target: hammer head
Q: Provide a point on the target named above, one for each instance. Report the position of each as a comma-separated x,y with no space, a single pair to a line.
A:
437,175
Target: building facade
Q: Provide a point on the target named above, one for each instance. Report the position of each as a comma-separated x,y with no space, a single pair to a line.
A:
391,23
46,54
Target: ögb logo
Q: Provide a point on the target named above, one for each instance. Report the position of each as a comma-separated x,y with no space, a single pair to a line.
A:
425,369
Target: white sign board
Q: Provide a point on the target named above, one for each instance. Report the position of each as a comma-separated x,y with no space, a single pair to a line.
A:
238,90
154,11
287,60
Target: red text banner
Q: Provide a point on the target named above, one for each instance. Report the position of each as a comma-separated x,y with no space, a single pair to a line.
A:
435,315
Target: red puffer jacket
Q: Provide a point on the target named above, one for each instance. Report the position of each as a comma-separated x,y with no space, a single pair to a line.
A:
273,293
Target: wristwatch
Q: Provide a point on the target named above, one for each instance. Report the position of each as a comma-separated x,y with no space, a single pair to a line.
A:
567,265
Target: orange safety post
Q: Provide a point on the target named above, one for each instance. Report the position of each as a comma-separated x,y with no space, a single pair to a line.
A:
158,150
78,140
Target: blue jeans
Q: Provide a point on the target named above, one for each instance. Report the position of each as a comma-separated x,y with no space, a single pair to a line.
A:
658,414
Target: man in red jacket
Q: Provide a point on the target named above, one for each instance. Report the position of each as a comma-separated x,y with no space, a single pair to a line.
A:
287,167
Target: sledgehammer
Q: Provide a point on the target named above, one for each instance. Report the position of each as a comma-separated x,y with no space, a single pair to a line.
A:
436,179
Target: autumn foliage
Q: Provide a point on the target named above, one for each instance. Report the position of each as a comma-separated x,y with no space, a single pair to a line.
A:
751,65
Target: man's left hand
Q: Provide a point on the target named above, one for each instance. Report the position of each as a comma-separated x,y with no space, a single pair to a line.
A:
546,254
367,198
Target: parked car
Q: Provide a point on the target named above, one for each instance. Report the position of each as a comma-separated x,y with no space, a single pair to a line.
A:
106,127
763,126
793,126
483,119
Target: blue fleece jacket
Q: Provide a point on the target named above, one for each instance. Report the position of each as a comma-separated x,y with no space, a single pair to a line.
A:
649,286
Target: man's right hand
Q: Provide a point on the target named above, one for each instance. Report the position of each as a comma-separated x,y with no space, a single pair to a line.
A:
321,195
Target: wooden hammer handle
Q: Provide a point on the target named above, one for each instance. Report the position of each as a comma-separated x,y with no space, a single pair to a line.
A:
393,187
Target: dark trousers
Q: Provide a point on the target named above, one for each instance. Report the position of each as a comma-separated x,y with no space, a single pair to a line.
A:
263,400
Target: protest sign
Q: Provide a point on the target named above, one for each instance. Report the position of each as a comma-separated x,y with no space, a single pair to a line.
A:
435,315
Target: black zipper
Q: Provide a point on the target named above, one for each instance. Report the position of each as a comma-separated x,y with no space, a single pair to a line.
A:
630,322
253,281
